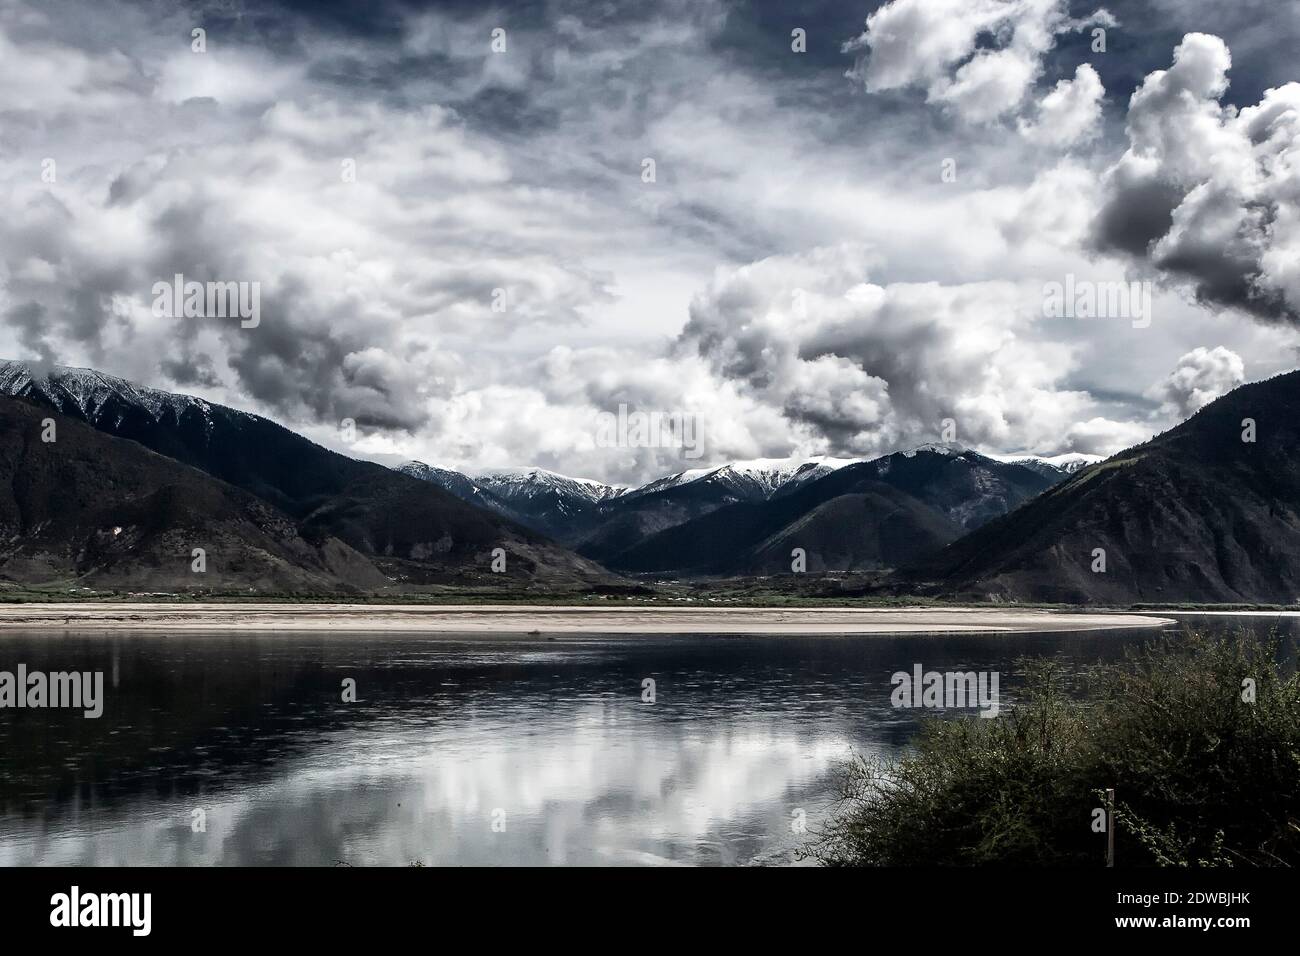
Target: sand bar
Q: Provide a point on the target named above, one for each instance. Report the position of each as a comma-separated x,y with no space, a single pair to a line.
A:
524,619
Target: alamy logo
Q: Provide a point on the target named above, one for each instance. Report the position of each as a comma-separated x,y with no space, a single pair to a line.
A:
36,689
212,300
74,908
1085,299
949,690
649,430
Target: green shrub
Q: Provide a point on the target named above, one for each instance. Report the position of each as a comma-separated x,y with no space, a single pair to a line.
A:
1202,776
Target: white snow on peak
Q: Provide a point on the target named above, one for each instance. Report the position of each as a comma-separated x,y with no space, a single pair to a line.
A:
756,477
531,481
423,470
90,390
1068,463
770,475
672,481
787,465
938,448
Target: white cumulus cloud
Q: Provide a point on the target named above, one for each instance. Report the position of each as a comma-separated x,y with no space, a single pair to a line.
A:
1206,194
1202,376
979,58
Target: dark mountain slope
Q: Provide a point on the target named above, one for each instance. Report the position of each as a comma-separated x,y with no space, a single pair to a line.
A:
415,531
555,505
751,537
964,486
615,526
1194,515
105,512
908,504
863,531
622,522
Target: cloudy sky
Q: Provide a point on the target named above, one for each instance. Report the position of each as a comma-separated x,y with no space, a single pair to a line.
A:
841,246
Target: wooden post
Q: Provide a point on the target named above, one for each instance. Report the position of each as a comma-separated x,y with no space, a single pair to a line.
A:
1110,827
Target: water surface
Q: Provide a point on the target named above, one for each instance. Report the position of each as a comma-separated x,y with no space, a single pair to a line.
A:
462,750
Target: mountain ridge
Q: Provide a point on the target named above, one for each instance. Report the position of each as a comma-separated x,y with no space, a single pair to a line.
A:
418,533
102,511
903,505
1198,513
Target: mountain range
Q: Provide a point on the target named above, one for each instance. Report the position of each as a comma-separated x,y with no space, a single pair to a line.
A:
866,515
138,478
411,533
622,527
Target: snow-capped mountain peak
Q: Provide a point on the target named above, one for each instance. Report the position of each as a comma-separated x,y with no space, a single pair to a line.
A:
937,448
94,395
768,476
755,479
514,483
452,481
544,500
1053,466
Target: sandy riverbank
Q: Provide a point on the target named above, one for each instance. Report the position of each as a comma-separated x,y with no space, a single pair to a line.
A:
520,619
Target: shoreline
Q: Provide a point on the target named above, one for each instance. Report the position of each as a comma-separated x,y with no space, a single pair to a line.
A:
539,620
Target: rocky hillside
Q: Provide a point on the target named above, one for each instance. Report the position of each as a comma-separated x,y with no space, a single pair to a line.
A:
93,510
1197,514
417,533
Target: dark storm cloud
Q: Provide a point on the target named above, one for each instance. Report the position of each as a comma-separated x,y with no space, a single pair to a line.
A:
295,359
1206,194
1231,274
190,370
320,365
1137,212
30,320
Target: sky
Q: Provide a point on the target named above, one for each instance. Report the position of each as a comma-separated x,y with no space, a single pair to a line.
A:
827,228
